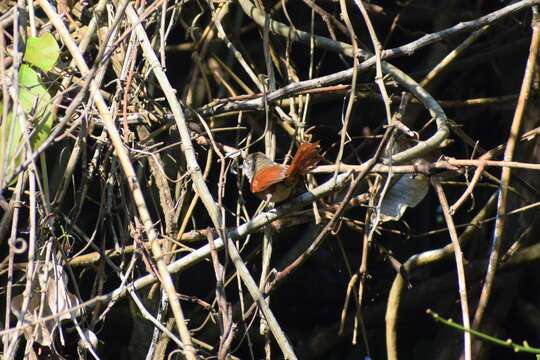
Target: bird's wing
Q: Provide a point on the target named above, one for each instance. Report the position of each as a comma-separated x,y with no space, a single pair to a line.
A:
267,177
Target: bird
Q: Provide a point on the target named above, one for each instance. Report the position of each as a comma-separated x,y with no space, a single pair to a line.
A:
276,182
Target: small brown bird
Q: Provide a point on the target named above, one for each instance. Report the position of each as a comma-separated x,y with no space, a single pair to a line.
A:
276,182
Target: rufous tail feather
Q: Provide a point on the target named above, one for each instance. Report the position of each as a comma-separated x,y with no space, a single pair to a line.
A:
306,157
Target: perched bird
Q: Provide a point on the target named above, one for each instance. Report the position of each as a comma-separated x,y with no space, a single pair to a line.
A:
276,182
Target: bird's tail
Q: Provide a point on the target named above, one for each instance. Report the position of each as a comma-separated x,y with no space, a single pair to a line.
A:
306,157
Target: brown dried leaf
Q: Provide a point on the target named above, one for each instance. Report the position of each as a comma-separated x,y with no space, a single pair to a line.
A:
408,191
56,299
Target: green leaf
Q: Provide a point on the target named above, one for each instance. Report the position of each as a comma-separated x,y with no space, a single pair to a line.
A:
42,51
31,89
36,103
10,132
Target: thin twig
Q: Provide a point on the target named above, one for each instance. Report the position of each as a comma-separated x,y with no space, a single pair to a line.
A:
418,260
125,162
505,175
462,282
